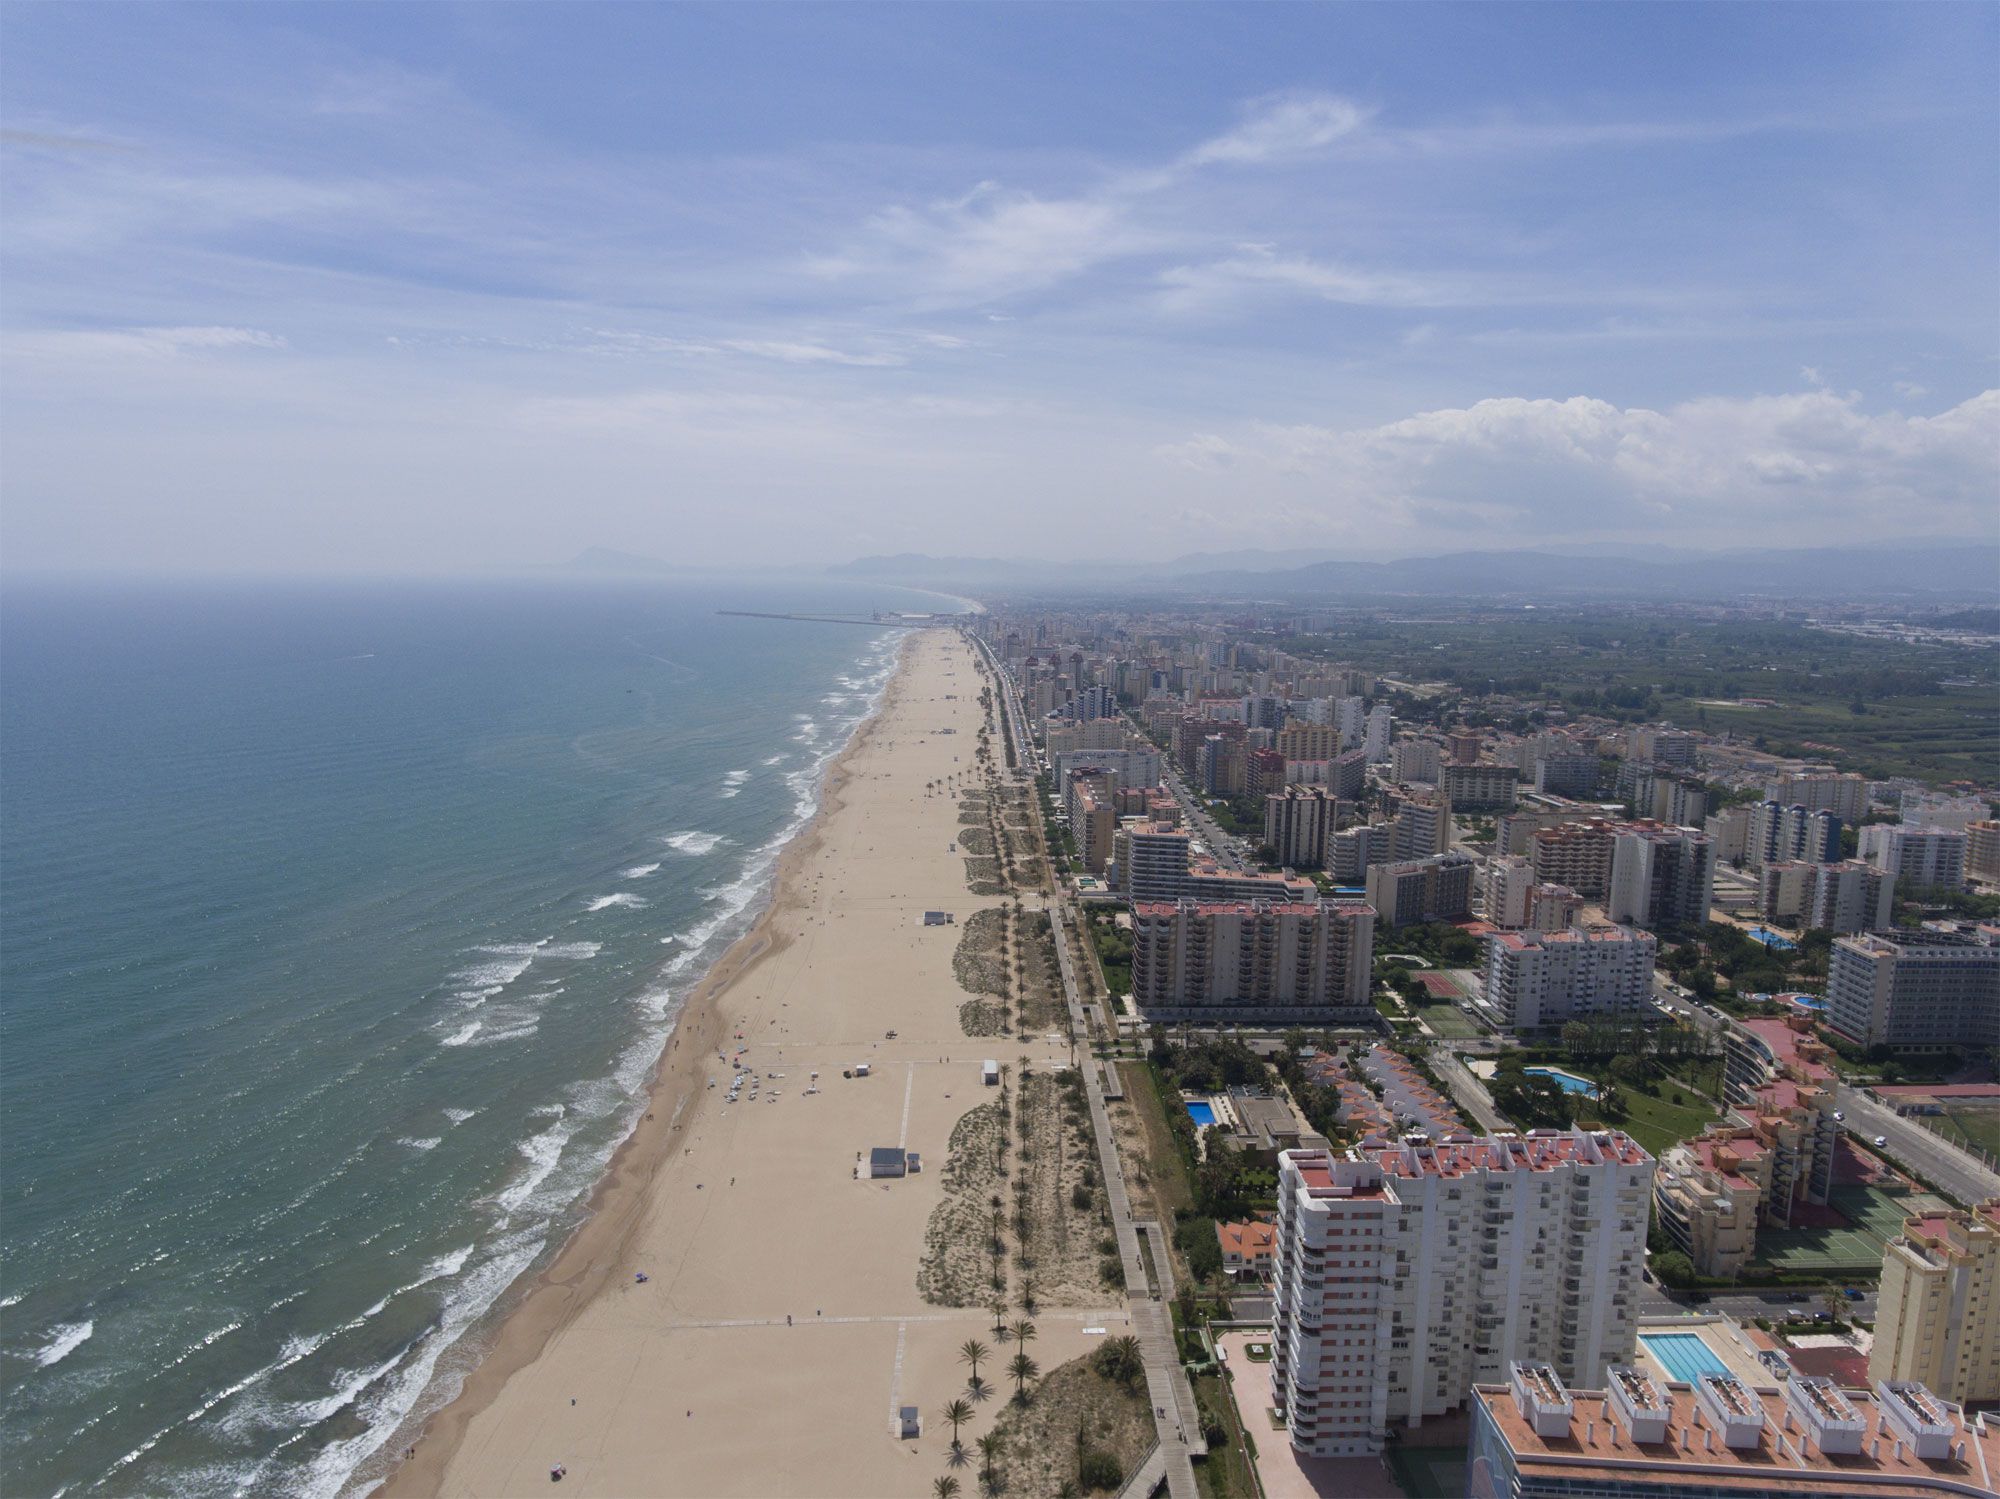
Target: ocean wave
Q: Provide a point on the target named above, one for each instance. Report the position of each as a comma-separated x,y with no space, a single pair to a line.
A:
207,1340
639,871
463,1037
64,1339
7,1301
430,1143
543,1151
622,899
693,843
774,760
459,1116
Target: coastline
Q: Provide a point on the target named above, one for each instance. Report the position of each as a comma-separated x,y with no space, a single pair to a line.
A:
582,1268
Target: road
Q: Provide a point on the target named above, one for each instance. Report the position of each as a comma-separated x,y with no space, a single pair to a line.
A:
1960,1175
1176,1418
1744,1305
1220,844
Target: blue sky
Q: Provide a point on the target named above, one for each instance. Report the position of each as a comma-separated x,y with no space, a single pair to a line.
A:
437,286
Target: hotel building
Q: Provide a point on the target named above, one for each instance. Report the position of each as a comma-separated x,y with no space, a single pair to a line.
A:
1536,979
1920,990
1938,1317
1406,1273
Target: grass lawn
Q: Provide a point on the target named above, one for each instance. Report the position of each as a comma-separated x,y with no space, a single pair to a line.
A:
1225,1472
1657,1124
1874,1216
1977,1125
1429,1472
1449,1021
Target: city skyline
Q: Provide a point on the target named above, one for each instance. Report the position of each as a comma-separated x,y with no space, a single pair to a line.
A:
475,288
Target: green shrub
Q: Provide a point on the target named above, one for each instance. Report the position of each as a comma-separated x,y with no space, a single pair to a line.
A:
1099,1470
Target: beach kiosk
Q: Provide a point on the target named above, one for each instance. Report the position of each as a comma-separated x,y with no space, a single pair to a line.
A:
989,1073
886,1160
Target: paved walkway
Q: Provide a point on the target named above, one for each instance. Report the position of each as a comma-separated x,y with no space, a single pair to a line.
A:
1174,1411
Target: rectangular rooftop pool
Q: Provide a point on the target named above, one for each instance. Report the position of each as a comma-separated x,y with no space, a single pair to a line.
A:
1201,1113
1684,1355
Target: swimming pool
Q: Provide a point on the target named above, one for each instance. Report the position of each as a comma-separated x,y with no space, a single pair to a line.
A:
1201,1113
1770,938
1684,1355
1569,1082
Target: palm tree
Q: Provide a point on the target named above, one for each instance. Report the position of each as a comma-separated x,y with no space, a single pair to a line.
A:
971,1351
957,1412
945,1487
999,1310
1023,1369
1023,1330
989,1448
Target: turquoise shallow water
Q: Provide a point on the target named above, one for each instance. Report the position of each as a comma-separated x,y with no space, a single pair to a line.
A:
342,925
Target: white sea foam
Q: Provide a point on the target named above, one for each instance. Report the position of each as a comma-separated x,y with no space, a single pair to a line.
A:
542,1151
622,899
639,871
6,1301
463,1037
693,843
430,1143
774,759
459,1116
64,1339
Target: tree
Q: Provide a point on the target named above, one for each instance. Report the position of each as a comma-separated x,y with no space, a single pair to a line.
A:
1023,1330
958,1412
999,1310
1119,1361
1100,1470
945,1487
989,1448
971,1351
1023,1369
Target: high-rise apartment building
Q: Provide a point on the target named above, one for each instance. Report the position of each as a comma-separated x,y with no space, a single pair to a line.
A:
1348,774
1660,876
1845,796
1435,889
1776,832
1408,1272
1376,734
1846,897
1537,979
1461,746
1919,858
1350,716
1480,788
1938,1315
1982,848
1253,958
1575,854
1916,990
1297,824
1415,760
1568,774
1661,746
1508,881
1308,741
1152,860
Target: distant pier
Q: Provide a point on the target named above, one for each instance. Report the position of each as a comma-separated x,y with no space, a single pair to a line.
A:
890,621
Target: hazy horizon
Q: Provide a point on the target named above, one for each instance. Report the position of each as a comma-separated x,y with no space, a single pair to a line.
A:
471,290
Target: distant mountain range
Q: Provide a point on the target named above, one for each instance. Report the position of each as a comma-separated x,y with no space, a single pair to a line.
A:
1968,571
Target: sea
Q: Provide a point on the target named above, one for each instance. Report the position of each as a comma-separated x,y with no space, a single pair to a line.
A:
341,925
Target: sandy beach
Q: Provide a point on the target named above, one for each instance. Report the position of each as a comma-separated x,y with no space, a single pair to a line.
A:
780,1325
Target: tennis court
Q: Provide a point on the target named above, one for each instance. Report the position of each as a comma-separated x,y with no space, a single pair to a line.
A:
1874,1216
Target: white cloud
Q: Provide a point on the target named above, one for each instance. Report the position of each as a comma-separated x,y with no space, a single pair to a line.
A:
790,352
137,343
1282,127
1259,269
1764,468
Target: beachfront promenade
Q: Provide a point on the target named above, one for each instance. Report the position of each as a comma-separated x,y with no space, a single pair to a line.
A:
1176,1419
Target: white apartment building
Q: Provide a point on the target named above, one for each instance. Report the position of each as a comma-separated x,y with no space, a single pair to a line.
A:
1937,809
1916,990
1536,979
1660,876
1925,858
1407,1273
1152,860
1416,760
1778,832
1377,733
1508,881
1350,716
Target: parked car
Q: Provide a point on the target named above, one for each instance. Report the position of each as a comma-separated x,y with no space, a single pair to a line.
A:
1881,1142
1853,1295
1839,1117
